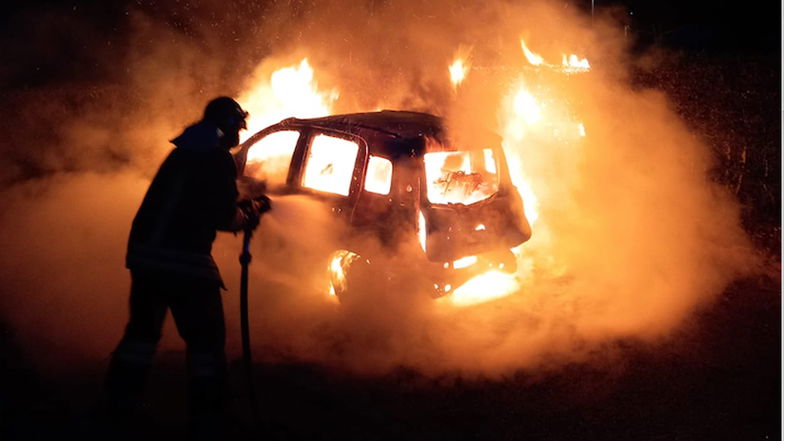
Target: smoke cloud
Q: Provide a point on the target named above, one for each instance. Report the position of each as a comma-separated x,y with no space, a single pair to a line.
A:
631,236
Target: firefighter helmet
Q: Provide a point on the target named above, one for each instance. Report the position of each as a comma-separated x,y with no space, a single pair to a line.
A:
226,113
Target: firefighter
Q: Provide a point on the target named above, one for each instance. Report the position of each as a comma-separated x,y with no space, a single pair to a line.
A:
193,195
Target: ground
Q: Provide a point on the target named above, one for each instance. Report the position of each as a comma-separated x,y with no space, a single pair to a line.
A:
718,380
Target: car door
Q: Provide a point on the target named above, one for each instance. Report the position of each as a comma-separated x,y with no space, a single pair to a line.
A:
329,165
264,161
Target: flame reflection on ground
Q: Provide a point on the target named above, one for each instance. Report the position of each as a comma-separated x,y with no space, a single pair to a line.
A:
488,286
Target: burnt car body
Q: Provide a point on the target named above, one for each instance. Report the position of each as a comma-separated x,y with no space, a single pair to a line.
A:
398,177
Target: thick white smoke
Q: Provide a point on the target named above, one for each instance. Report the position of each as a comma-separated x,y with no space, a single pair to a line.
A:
632,236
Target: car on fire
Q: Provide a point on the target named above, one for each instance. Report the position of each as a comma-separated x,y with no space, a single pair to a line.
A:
400,177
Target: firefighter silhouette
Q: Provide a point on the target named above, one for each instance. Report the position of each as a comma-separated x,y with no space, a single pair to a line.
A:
192,196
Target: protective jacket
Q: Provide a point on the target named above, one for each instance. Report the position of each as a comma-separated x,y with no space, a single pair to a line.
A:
192,195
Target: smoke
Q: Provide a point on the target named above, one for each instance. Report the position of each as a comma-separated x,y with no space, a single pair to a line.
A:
631,236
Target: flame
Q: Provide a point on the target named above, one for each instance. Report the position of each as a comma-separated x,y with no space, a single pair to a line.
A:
269,159
525,111
460,66
458,71
570,63
533,58
464,262
521,182
338,266
422,233
531,205
455,178
525,106
288,91
485,287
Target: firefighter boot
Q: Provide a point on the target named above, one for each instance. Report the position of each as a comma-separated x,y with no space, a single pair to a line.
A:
125,380
206,402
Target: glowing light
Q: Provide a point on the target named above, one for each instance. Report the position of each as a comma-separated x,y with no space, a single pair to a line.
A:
525,105
480,227
522,113
581,129
330,164
269,158
289,91
483,288
460,66
338,266
533,58
378,179
490,161
464,262
530,201
572,63
452,178
458,70
422,234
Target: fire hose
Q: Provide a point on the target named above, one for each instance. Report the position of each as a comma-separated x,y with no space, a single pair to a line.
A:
262,205
245,260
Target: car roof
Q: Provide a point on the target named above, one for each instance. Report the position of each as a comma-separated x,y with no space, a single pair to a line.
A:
400,124
408,130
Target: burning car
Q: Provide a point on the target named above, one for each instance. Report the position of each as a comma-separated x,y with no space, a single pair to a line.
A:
443,202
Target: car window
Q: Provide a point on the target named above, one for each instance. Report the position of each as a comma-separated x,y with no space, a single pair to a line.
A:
461,177
378,178
329,164
269,158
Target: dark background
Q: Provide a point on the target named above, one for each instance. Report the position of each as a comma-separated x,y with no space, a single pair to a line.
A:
719,379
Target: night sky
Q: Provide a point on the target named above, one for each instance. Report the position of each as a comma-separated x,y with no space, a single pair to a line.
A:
46,42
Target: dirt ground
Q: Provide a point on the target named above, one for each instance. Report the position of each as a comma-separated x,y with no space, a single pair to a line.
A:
719,379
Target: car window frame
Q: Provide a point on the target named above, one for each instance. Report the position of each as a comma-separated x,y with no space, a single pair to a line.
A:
241,157
301,153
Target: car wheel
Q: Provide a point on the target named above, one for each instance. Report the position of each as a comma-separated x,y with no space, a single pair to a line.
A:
342,268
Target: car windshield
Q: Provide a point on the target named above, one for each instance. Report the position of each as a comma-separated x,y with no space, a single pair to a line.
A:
461,177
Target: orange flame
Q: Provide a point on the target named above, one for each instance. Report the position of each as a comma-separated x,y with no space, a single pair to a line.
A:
338,266
525,106
289,91
460,67
485,287
453,177
533,58
458,72
572,63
